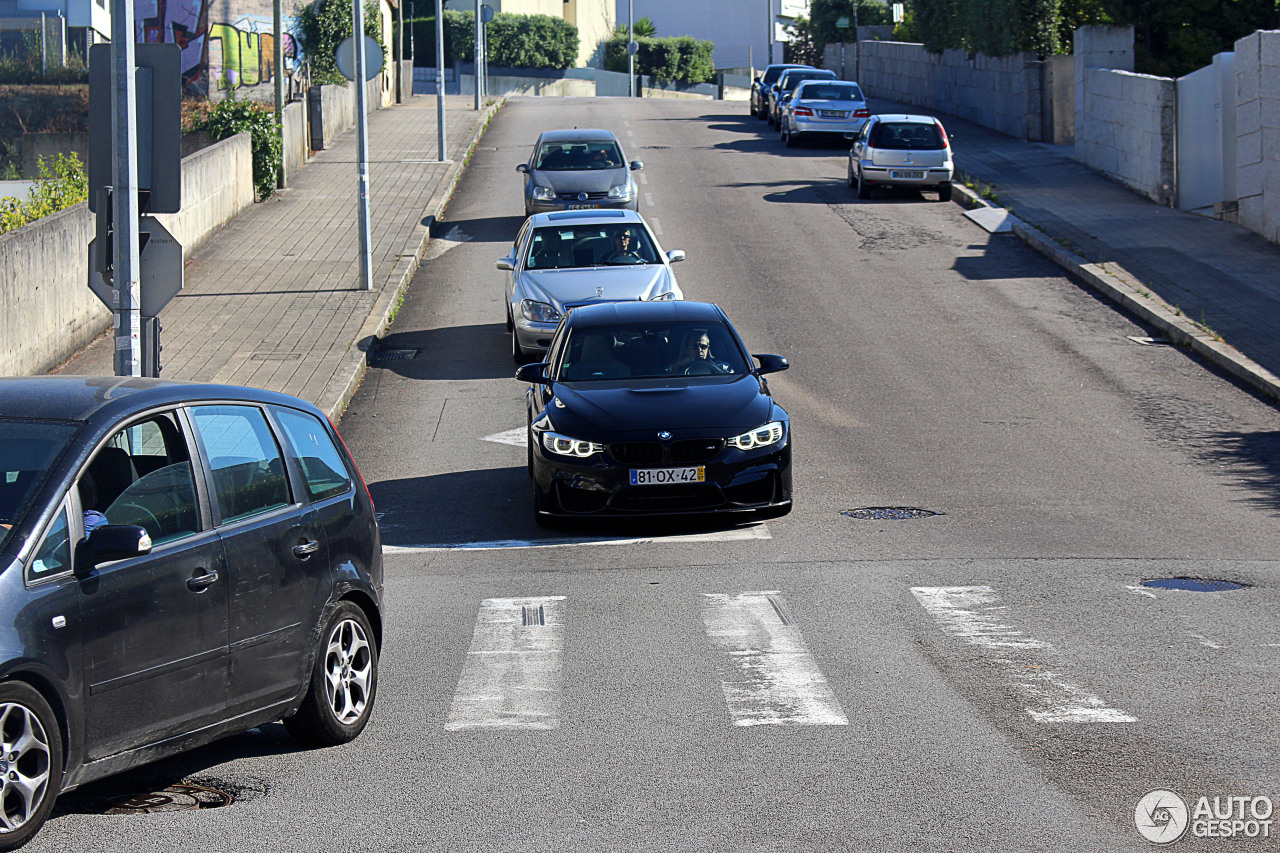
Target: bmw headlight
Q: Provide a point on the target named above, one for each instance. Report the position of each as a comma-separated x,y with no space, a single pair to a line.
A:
539,312
543,194
566,446
770,433
622,192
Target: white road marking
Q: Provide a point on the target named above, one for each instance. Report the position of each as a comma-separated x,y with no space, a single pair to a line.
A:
642,178
656,226
1140,590
648,199
779,683
974,614
737,534
511,679
439,245
1204,641
517,437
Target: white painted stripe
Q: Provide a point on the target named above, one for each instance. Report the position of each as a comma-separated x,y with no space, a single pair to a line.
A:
737,534
518,437
777,682
648,202
642,178
975,615
655,225
511,679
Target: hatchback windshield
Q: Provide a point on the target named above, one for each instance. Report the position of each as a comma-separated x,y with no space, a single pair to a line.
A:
825,92
579,156
906,136
645,351
28,450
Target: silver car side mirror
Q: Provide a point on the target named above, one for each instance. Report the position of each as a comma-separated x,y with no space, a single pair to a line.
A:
675,255
506,263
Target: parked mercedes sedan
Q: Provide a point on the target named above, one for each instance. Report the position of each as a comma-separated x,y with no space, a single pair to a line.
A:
653,408
178,562
561,261
901,151
578,170
830,108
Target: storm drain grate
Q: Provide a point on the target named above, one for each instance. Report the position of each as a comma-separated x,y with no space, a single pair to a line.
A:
174,798
532,615
395,354
1193,584
888,513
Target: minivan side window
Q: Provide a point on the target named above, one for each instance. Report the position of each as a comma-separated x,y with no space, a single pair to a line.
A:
246,463
321,463
54,554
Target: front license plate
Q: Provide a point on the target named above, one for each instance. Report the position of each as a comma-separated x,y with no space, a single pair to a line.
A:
582,206
908,176
663,476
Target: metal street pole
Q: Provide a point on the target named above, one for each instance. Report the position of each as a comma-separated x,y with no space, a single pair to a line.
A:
362,152
124,197
476,53
440,79
631,57
277,25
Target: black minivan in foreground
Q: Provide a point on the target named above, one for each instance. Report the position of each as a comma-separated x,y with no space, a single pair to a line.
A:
178,562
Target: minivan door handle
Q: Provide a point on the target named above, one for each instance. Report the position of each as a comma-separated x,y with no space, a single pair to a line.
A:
306,549
199,583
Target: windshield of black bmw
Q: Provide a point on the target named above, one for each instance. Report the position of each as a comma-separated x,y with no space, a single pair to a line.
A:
561,247
28,450
579,156
651,351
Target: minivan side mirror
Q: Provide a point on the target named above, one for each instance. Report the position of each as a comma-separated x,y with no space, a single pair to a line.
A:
534,374
523,167
769,363
111,542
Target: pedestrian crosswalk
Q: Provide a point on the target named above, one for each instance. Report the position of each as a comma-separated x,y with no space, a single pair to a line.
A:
512,677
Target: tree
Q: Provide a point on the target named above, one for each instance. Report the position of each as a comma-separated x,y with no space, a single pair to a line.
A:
321,28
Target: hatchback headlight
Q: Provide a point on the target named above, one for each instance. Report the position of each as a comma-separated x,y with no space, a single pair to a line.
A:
622,192
770,433
543,194
539,312
566,446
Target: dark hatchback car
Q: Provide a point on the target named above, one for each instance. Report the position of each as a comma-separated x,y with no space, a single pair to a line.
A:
650,408
179,562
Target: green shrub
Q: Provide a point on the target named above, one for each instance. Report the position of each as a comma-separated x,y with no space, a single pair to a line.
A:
59,185
679,59
231,116
515,41
322,26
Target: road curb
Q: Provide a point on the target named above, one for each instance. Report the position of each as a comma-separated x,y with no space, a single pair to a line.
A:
355,361
1133,296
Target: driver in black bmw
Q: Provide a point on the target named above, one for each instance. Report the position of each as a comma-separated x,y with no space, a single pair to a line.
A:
696,358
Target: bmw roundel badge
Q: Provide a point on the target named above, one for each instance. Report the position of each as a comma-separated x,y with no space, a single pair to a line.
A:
664,435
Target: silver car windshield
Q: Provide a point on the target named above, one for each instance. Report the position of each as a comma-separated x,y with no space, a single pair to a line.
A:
830,93
28,450
906,136
578,156
651,351
567,247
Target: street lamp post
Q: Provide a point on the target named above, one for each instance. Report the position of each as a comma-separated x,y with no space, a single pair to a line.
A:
631,57
440,146
768,13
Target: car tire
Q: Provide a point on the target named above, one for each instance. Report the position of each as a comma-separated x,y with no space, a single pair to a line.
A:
791,138
29,729
344,681
541,505
944,191
850,179
528,444
864,190
518,355
511,327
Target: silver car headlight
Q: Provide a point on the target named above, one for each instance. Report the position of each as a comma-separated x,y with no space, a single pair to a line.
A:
543,193
669,296
622,192
567,446
539,312
770,433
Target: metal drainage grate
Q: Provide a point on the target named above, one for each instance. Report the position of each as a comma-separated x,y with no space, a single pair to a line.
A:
532,616
174,798
890,513
1193,584
395,354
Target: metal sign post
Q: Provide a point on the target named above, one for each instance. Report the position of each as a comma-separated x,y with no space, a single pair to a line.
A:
440,80
362,142
476,55
631,54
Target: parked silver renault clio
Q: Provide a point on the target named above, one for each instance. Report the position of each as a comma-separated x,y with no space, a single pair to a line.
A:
901,151
824,108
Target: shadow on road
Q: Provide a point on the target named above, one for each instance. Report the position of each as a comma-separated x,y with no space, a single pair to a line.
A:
489,229
456,352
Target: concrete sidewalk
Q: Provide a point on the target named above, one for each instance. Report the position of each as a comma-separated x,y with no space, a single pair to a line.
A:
1208,285
273,300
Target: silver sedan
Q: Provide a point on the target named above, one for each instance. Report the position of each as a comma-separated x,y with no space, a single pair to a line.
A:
561,261
824,108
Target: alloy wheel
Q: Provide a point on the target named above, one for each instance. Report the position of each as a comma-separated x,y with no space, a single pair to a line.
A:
25,760
348,671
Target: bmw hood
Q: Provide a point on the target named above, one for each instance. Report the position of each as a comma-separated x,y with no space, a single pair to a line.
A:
590,181
597,284
683,407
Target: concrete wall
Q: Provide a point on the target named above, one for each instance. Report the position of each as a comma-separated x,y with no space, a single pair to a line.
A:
1258,132
332,108
47,311
295,136
1059,110
1003,93
1128,133
510,86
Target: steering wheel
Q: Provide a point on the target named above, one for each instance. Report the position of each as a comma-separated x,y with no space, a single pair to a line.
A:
703,367
139,510
624,258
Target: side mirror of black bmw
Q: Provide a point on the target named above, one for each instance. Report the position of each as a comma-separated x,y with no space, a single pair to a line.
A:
112,542
769,363
535,374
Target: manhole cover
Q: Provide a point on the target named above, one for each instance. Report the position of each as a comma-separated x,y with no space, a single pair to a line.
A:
891,513
1193,584
394,354
174,798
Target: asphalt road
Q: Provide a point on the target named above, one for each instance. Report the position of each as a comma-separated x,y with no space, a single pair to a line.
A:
993,677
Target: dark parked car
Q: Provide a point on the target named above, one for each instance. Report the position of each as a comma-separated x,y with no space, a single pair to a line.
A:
179,562
760,87
781,91
648,408
578,170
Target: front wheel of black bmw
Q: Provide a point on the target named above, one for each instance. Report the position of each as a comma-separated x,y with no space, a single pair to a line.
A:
31,760
344,680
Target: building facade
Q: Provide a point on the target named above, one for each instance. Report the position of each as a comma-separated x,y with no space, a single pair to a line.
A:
744,34
593,18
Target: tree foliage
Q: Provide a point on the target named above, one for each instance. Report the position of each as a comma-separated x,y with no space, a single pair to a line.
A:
810,36
515,41
230,116
321,27
678,59
59,185
993,27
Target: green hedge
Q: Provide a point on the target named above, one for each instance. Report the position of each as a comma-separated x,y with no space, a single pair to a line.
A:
679,59
60,184
515,41
321,27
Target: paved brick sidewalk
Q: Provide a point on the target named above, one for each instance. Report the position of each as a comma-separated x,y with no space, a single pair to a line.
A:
273,299
1218,275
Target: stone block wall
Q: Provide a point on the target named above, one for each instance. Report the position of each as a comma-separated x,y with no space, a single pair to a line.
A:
1127,132
1258,132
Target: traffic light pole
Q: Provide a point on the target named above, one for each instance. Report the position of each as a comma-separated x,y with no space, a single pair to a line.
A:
124,198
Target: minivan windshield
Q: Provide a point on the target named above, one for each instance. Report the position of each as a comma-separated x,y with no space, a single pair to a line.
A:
28,451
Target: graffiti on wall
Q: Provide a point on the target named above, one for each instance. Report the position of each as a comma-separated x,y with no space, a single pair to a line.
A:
228,47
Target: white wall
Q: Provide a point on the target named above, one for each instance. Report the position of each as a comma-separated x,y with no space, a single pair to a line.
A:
1258,132
739,28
